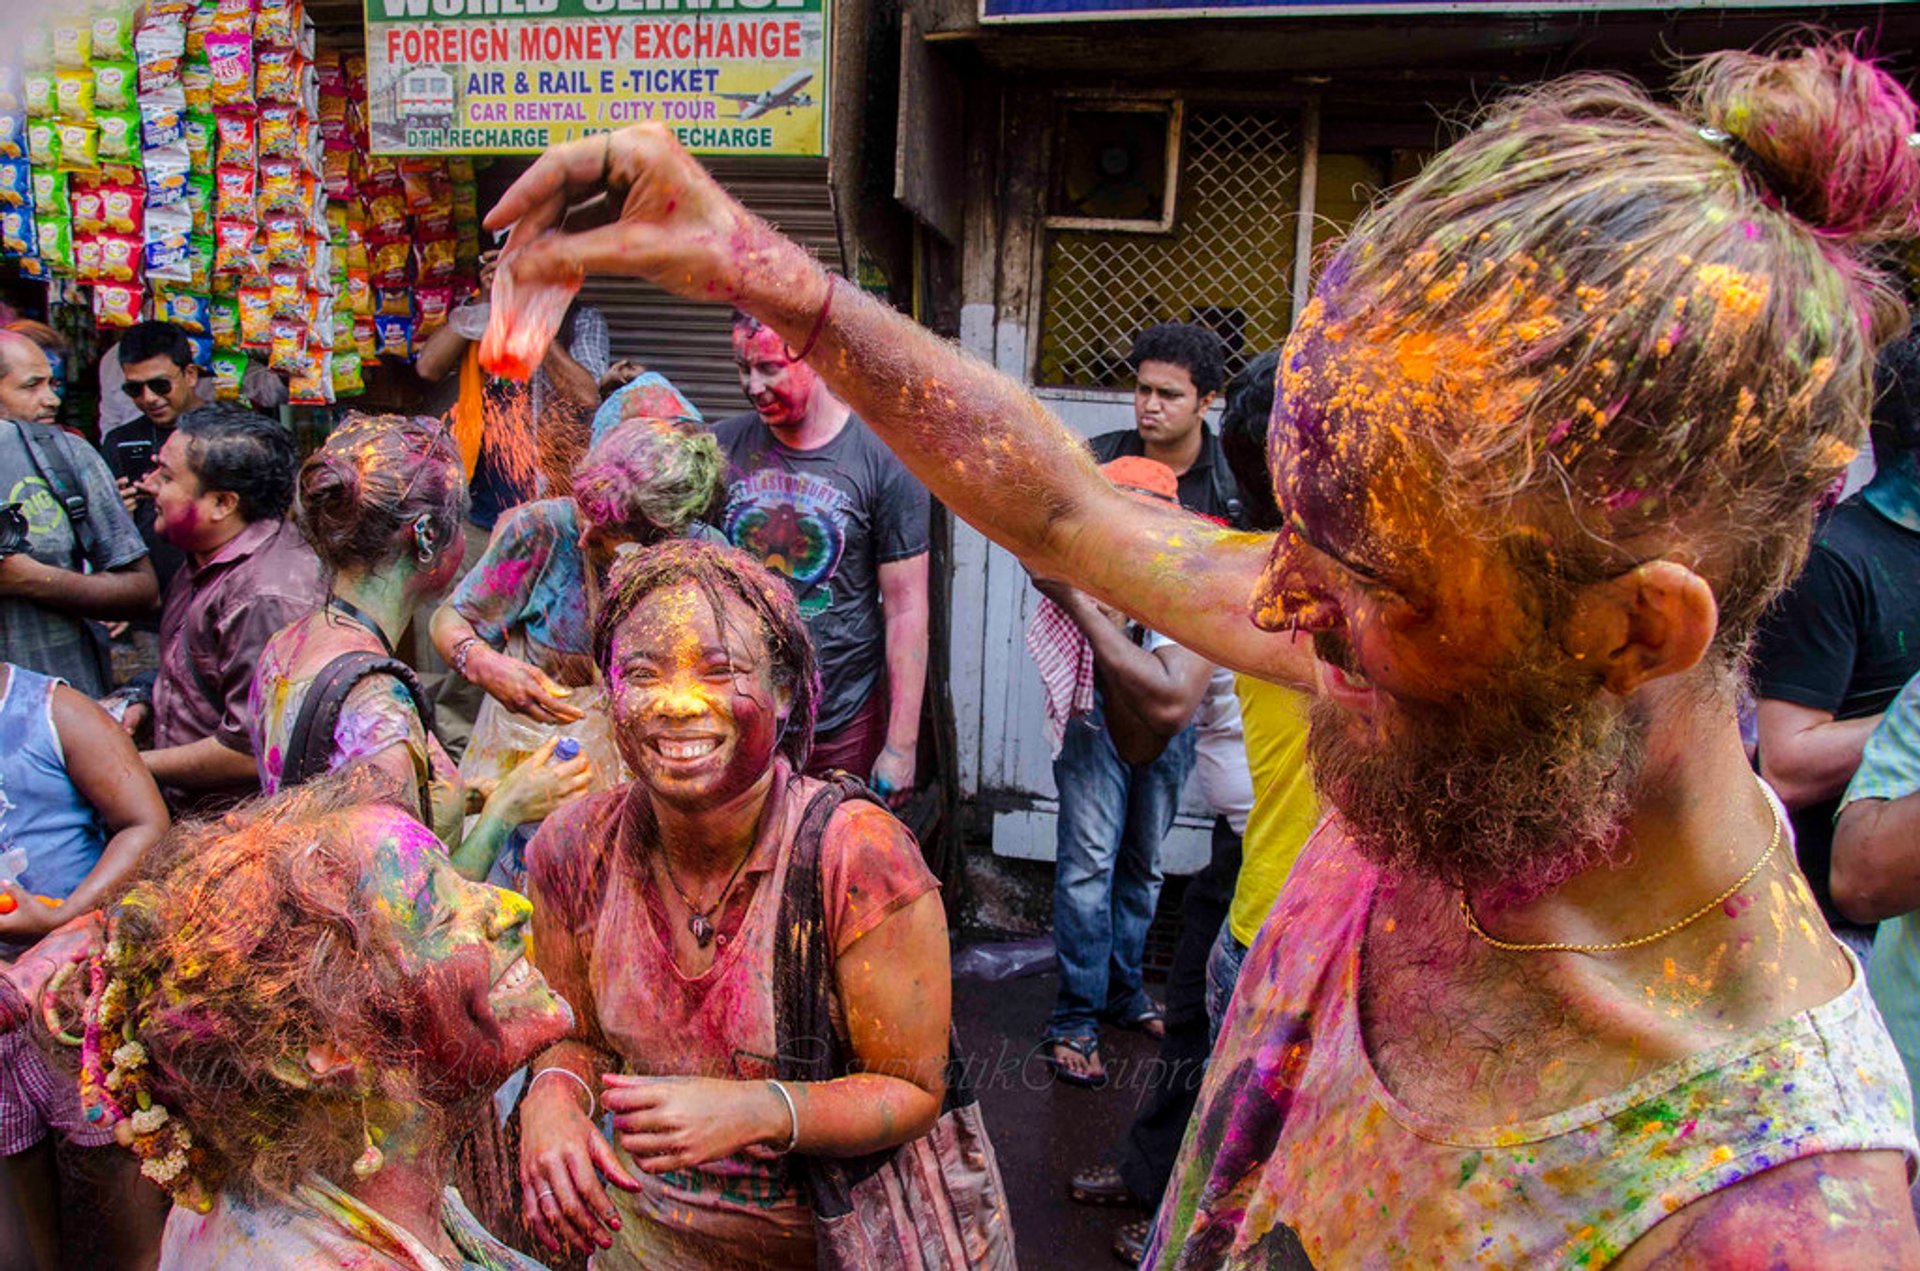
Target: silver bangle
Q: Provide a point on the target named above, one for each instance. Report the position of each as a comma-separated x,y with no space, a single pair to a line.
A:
593,1104
460,654
792,1112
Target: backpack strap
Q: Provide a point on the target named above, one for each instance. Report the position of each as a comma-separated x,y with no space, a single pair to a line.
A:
309,749
50,458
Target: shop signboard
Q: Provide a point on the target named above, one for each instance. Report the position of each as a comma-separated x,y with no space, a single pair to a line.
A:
732,77
1132,10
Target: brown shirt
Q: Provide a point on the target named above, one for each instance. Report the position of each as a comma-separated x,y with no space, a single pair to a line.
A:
219,615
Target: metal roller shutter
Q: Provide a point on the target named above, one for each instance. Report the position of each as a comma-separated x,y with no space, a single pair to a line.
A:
691,344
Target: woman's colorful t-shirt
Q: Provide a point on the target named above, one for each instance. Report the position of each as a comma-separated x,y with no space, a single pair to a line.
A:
1298,1155
603,926
532,579
378,712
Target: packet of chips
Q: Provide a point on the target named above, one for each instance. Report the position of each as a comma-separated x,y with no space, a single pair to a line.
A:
230,54
380,174
281,186
196,82
435,259
13,135
202,351
393,337
160,48
43,143
19,236
348,381
86,257
119,136
89,207
310,382
199,22
256,316
113,85
276,75
286,240
73,44
200,200
16,183
433,305
120,257
200,279
233,246
233,191
122,208
223,321
199,131
167,175
239,139
278,133
288,292
73,93
229,372
287,342
392,302
357,294
38,95
163,122
112,36
116,304
387,216
187,310
50,193
79,146
170,257
276,23
366,338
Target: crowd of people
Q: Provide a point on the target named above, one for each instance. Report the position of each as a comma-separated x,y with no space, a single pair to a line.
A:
1540,656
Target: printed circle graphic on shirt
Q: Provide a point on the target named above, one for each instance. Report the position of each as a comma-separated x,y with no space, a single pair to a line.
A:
43,512
795,525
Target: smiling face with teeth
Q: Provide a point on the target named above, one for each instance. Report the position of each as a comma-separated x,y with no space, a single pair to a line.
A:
695,705
481,1008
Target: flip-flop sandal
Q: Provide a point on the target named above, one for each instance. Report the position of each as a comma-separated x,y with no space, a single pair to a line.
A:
1087,1047
1130,1241
1101,1185
1152,1021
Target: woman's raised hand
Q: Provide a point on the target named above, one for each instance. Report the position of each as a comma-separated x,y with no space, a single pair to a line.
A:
537,786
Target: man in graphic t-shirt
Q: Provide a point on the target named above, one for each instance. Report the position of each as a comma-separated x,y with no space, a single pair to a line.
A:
815,496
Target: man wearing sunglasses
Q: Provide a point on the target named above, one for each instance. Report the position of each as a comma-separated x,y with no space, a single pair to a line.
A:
161,383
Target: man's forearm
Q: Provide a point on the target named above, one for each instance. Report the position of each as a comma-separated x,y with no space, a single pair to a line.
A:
208,764
1815,764
128,592
906,675
570,379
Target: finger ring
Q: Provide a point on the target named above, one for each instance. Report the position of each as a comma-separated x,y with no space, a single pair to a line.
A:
545,1193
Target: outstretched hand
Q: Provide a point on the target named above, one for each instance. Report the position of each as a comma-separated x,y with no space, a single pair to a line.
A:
676,226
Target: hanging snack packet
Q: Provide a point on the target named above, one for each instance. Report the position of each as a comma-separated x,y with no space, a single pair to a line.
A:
233,247
160,48
120,257
119,136
436,259
163,120
281,187
276,76
116,304
113,85
278,133
86,257
199,130
288,342
167,175
387,216
288,293
196,82
170,258
186,310
286,240
256,316
38,95
343,331
229,372
311,381
434,304
381,175
223,321
73,44
16,183
50,193
13,135
233,191
79,146
230,54
388,262
393,337
347,378
201,279
73,93
358,294
199,22
89,207
392,302
524,320
200,200
202,351
113,36
366,338
19,236
122,208
276,23
43,143
239,139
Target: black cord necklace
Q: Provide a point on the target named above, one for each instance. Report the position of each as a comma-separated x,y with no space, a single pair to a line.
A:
700,921
350,610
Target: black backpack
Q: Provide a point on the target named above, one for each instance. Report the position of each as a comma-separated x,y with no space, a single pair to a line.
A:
310,745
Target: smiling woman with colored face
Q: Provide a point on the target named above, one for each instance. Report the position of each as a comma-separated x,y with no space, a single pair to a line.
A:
658,908
296,1062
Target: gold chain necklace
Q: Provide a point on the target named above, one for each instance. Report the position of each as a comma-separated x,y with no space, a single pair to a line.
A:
1558,946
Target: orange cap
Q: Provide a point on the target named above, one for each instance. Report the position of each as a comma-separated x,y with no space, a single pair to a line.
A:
1143,478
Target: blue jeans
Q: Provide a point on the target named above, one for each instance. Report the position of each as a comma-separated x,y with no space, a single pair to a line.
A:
1223,972
1107,876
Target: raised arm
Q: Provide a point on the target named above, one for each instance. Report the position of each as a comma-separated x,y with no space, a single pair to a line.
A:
980,442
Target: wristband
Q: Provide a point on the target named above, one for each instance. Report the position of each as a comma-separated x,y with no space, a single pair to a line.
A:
461,652
793,1113
593,1104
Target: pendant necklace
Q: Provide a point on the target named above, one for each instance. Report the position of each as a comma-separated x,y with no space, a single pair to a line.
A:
700,921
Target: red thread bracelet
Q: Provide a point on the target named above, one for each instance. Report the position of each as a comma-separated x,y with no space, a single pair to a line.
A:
819,323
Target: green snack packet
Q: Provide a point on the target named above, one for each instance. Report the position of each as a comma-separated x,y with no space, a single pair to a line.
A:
56,243
119,136
50,193
114,85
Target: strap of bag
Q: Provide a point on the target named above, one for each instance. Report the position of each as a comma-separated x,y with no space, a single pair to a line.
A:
310,745
809,1047
50,459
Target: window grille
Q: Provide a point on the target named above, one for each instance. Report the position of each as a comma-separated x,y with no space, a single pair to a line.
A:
1228,261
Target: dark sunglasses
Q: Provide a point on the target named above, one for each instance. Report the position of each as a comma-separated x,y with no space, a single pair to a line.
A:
159,387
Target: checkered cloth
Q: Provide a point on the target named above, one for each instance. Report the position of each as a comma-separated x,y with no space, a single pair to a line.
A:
37,1098
1065,658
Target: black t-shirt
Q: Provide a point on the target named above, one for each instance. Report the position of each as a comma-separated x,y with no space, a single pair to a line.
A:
1844,638
130,451
826,520
1207,487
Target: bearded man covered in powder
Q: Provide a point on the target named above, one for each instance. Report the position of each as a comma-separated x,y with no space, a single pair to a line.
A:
1548,990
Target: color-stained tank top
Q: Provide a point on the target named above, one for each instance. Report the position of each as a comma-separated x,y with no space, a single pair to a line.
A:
1298,1155
40,809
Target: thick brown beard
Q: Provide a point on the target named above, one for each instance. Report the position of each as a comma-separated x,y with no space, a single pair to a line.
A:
1507,794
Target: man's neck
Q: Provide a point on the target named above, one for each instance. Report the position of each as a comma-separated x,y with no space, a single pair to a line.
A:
1180,455
205,554
826,417
382,597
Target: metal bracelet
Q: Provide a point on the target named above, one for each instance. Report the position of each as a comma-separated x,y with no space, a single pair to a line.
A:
593,1104
460,653
792,1112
